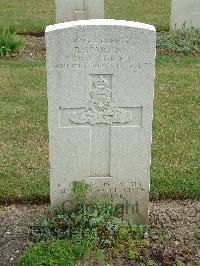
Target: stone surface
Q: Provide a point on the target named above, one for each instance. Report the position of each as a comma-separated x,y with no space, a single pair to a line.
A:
70,10
185,13
100,94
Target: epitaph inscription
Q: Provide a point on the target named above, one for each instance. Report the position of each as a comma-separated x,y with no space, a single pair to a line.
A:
117,190
120,192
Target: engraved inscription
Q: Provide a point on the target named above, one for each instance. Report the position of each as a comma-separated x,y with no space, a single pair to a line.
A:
87,53
120,190
101,107
108,190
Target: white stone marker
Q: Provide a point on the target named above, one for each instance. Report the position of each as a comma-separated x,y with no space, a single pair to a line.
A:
185,13
100,94
70,10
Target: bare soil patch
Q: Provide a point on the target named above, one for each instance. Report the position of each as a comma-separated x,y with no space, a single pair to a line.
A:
174,228
33,48
174,232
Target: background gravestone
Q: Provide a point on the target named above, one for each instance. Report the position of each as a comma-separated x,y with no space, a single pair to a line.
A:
185,13
100,94
70,10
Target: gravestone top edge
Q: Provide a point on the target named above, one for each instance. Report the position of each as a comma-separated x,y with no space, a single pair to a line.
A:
100,22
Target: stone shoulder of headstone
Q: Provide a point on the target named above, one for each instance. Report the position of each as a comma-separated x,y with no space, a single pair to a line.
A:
100,78
100,22
71,10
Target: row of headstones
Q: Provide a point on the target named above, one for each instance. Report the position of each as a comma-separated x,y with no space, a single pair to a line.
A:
184,13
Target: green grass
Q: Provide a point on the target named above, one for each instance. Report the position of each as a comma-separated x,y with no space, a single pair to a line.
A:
155,12
24,148
27,15
51,253
24,134
34,15
176,163
9,42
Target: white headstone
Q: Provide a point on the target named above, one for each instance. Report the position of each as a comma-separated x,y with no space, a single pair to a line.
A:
70,10
185,13
100,94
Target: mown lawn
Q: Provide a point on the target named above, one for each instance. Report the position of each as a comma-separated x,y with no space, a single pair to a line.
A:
27,15
34,15
24,168
176,131
155,12
24,134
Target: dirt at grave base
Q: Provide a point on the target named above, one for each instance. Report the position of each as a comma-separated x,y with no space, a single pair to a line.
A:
174,228
33,49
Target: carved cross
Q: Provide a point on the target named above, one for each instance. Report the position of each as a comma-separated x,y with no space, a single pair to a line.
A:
102,115
80,5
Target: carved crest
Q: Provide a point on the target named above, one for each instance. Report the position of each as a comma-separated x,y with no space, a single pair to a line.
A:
101,107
